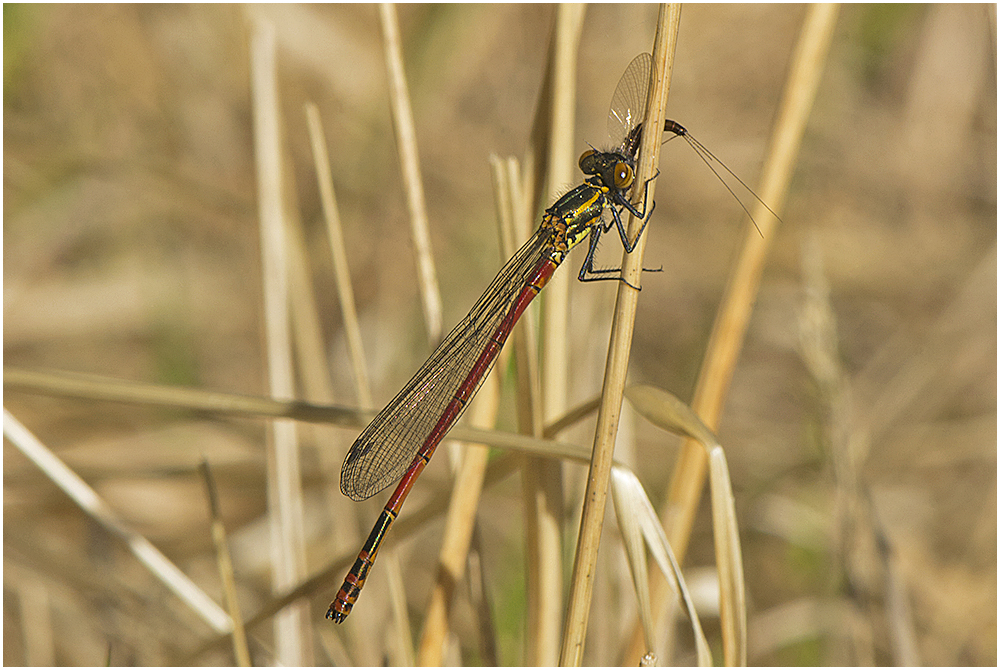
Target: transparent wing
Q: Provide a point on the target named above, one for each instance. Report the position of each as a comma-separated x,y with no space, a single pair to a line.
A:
628,104
385,449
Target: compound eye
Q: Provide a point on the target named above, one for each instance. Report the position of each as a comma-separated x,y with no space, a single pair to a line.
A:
623,175
584,157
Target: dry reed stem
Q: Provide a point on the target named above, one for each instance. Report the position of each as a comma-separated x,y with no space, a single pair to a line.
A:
638,522
460,521
35,604
95,507
561,170
397,596
534,173
98,387
283,473
225,564
307,333
459,525
665,410
362,385
311,359
406,138
592,519
514,226
498,470
542,500
543,477
734,312
728,562
341,269
464,499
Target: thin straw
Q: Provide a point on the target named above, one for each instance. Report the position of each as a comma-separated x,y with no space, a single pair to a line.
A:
734,312
543,478
97,387
730,326
225,565
283,473
99,511
341,269
406,139
592,520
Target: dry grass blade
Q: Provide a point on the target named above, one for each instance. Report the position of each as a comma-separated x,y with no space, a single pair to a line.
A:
734,311
406,137
900,614
728,561
341,269
485,622
502,170
666,411
573,416
225,562
397,593
97,509
35,602
543,492
635,550
97,387
638,521
284,472
459,527
592,520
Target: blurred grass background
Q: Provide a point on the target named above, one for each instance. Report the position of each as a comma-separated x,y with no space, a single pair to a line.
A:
131,250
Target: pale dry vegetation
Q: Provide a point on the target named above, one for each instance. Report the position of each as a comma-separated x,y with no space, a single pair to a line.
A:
860,428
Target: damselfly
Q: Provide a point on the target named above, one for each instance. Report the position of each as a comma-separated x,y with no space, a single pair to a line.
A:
400,441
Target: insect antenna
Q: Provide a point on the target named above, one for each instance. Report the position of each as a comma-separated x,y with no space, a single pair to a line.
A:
708,157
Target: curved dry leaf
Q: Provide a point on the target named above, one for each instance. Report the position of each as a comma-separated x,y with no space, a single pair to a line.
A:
633,505
729,561
662,408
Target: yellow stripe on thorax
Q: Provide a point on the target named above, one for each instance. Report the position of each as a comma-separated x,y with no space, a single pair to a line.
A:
572,216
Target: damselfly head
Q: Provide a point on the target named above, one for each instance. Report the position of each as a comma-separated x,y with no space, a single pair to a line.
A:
625,127
612,168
